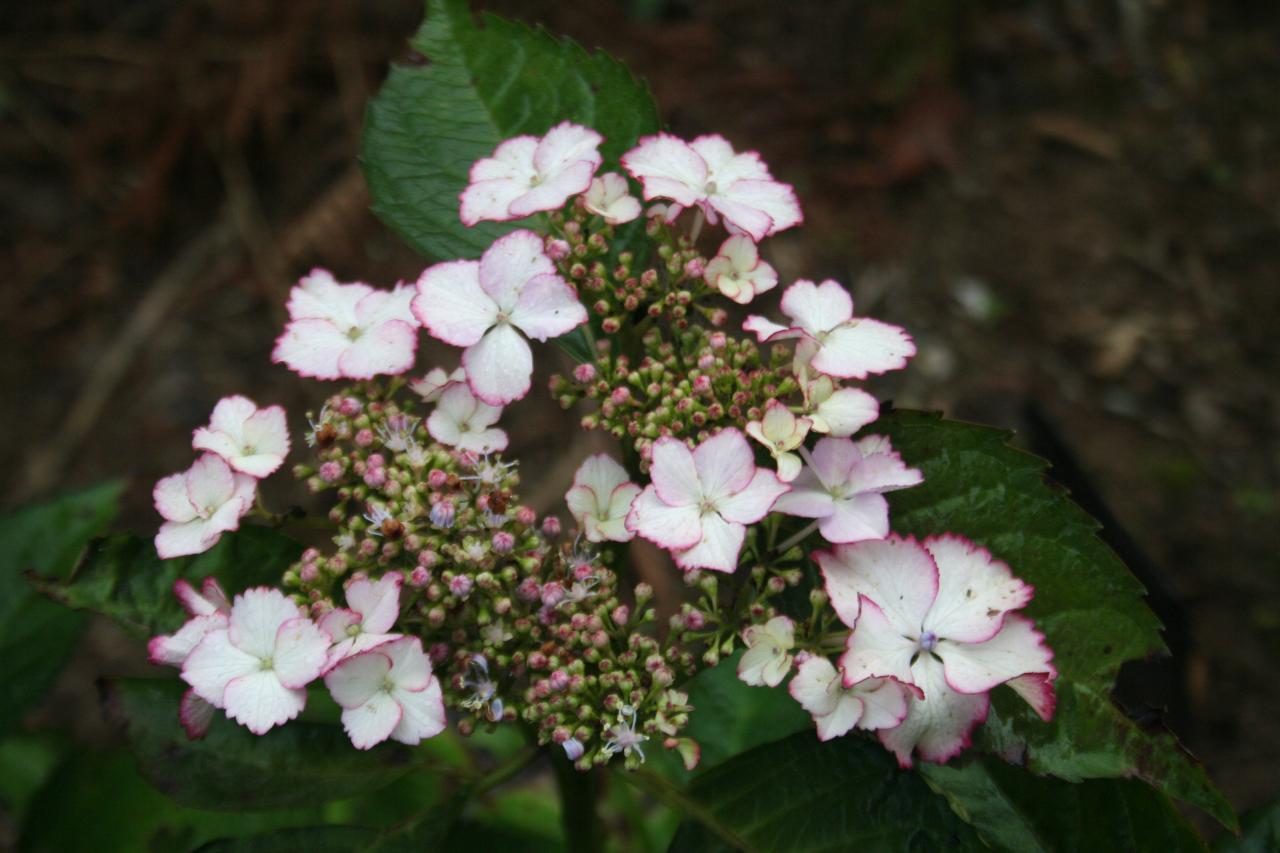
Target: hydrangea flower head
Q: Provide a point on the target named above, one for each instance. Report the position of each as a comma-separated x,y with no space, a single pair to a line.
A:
388,692
346,331
484,305
843,487
700,502
600,499
768,657
461,420
253,441
781,432
738,272
848,347
708,173
609,198
527,174
199,505
257,668
939,615
372,610
875,703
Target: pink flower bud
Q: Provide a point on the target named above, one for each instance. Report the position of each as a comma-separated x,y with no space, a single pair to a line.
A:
331,472
437,478
376,460
552,593
599,639
719,317
460,586
695,267
349,407
525,515
620,395
364,437
427,558
438,653
308,573
503,541
701,385
551,526
620,615
537,660
557,249
559,680
528,589
419,577
694,620
718,340
375,478
584,373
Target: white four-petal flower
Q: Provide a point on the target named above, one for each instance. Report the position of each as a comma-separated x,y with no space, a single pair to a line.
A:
372,609
708,173
781,432
738,272
843,487
199,505
875,703
527,174
484,305
463,421
609,198
768,657
700,502
388,692
346,331
938,615
600,499
253,441
848,347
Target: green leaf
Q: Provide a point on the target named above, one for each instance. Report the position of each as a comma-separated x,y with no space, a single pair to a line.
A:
800,794
122,577
1016,811
474,85
302,763
36,635
1090,607
1259,832
313,839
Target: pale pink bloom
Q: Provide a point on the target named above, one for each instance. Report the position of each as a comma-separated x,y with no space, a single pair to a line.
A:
937,615
843,487
527,174
366,622
431,386
463,421
838,412
847,346
700,502
738,272
199,505
208,609
609,198
781,432
876,703
484,305
253,441
258,667
768,657
388,692
707,173
600,499
346,331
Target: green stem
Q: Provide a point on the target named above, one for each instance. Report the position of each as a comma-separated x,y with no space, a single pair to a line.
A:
583,831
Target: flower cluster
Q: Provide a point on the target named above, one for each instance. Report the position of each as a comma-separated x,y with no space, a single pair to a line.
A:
442,591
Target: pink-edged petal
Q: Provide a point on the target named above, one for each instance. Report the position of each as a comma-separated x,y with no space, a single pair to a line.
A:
974,590
807,498
774,200
259,702
766,330
500,366
885,702
753,502
213,663
565,146
674,474
230,413
726,165
672,527
815,686
378,602
336,623
620,500
171,500
191,600
553,192
1017,649
876,648
817,308
354,681
547,308
318,296
863,347
311,348
173,649
725,464
227,517
717,550
1036,689
213,594
855,519
451,305
667,167
372,723
422,714
789,466
740,218
846,411
833,460
256,617
356,645
210,483
898,574
216,442
182,539
301,652
511,160
386,349
410,666
939,726
490,201
195,714
883,472
509,263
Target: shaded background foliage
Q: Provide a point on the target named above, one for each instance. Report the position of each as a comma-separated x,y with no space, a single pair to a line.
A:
1072,204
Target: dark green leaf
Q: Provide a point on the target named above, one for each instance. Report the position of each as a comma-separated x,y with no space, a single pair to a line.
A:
122,577
1088,604
312,839
1015,811
36,635
473,85
800,794
302,763
1260,832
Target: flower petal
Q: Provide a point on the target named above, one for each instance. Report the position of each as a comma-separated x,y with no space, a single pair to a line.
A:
354,681
667,167
171,500
508,264
451,305
259,702
300,653
213,663
256,617
672,527
863,347
938,726
754,501
547,308
500,366
386,349
372,723
817,308
422,713
898,574
377,602
674,474
975,590
847,410
855,519
1017,649
876,648
725,464
717,550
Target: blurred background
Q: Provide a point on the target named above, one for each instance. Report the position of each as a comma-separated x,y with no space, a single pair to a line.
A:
1073,204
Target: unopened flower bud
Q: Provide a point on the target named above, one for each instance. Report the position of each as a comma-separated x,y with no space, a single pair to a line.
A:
503,542
364,438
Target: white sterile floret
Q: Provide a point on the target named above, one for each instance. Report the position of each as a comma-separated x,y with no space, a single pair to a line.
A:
463,421
768,657
876,703
253,441
388,692
781,432
609,198
527,174
200,504
600,499
366,622
738,272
